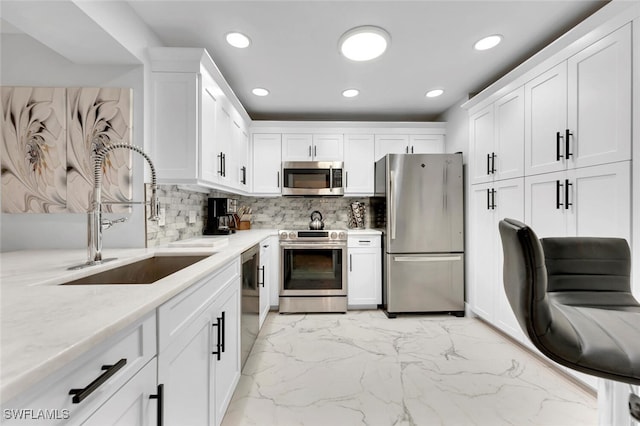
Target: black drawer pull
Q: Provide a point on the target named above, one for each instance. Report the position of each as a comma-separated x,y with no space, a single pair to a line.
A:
567,151
160,397
80,394
218,350
558,137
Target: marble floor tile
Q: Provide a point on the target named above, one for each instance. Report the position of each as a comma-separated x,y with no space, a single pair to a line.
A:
364,369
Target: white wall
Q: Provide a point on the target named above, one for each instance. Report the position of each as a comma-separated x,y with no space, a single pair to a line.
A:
26,62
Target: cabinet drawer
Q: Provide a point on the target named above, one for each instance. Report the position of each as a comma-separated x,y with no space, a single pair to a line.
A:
177,313
136,346
363,241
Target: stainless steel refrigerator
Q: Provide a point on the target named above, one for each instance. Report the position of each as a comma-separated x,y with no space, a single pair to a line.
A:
418,205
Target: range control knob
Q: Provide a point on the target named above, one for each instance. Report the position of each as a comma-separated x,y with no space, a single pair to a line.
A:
334,235
292,235
283,235
342,235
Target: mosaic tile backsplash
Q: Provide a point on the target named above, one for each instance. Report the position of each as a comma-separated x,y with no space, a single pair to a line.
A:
277,213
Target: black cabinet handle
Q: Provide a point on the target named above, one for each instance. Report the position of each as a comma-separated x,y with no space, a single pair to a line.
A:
346,179
406,150
558,137
493,163
80,394
350,262
364,241
244,175
223,330
221,168
566,194
309,150
160,397
558,203
315,151
224,165
488,164
278,180
261,269
488,199
567,151
218,327
493,199
412,149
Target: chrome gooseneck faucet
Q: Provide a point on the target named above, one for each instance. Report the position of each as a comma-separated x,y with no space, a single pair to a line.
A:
95,223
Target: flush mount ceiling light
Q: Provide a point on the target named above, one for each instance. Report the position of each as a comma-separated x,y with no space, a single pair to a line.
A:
238,40
259,91
434,93
364,43
350,93
488,42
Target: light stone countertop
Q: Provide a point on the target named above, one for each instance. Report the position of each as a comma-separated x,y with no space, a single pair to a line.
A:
44,326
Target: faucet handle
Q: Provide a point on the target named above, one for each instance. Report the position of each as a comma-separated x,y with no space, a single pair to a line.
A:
106,223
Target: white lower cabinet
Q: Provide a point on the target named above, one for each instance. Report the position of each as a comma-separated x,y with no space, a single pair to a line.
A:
109,384
364,281
490,203
267,275
199,358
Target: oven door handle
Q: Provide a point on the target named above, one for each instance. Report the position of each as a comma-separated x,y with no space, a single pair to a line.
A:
310,245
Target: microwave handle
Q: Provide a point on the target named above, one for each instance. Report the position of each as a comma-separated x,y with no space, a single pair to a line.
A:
331,178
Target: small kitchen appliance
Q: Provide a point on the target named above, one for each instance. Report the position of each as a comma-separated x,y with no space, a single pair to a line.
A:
220,218
312,178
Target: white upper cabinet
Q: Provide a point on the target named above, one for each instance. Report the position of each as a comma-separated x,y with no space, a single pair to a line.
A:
359,166
408,144
391,144
267,163
600,100
579,112
312,147
481,142
198,136
546,121
507,160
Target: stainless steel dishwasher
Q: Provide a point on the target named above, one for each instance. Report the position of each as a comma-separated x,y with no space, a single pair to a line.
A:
249,321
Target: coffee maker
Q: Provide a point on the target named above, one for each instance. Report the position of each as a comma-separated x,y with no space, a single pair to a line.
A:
220,218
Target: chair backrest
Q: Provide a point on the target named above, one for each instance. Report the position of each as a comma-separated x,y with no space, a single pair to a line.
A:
587,264
525,277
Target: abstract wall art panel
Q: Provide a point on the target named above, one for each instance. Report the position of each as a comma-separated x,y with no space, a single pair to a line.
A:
33,140
98,117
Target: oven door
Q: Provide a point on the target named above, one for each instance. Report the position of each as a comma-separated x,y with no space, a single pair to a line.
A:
313,269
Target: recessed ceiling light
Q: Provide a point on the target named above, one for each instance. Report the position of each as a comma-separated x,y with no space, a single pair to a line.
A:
350,93
364,43
488,42
434,93
238,40
259,91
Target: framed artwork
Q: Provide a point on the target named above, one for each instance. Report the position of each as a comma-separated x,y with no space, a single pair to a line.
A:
49,138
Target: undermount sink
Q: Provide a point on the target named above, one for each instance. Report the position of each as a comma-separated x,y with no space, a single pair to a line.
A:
146,271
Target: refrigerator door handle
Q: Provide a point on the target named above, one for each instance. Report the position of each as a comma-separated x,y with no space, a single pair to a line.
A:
426,258
392,210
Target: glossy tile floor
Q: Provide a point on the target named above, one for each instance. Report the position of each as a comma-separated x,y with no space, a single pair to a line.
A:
364,369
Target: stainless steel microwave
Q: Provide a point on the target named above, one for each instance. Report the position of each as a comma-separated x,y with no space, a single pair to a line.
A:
312,178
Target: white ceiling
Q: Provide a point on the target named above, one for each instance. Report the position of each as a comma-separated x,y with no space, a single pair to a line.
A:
294,50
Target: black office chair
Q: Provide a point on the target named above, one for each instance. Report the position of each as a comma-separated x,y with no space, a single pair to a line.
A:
572,298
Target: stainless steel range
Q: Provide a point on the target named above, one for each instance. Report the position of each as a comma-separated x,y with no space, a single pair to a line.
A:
313,267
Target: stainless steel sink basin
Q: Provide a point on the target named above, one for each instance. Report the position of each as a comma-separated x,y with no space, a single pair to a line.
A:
146,271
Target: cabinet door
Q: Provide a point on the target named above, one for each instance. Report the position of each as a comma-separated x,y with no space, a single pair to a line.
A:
509,203
481,137
208,146
131,404
185,370
224,137
264,279
545,209
227,368
482,245
364,280
328,147
174,130
266,163
297,147
274,268
391,144
601,198
600,101
509,135
426,144
546,121
358,164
